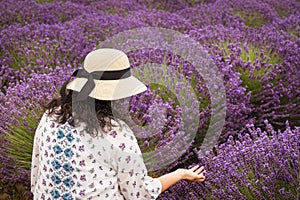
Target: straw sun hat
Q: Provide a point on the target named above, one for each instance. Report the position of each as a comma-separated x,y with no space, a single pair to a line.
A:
105,76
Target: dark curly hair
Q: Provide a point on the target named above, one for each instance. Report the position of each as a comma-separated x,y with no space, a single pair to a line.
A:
92,112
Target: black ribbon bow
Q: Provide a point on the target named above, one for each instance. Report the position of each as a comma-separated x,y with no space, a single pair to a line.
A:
90,84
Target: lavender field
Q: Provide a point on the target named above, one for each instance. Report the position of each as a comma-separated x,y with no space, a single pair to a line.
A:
254,44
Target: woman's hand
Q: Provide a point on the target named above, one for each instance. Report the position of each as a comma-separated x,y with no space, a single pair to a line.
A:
196,173
193,174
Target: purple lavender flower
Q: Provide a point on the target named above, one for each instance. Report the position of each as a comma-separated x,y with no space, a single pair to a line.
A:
255,44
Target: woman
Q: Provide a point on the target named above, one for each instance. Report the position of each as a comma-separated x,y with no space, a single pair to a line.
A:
81,151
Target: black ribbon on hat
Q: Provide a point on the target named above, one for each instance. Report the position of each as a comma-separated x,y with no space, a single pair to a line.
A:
96,75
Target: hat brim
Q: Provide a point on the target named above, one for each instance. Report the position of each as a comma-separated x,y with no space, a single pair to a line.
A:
110,89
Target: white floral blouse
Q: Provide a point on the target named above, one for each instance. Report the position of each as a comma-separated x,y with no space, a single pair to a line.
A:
68,164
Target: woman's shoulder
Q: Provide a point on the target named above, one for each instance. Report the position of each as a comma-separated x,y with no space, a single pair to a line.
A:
50,120
122,132
46,118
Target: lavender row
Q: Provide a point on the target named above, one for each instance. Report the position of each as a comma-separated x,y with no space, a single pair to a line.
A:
255,44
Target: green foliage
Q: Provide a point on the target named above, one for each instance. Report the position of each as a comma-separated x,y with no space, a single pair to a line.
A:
16,60
255,183
165,79
253,52
44,1
282,12
21,137
271,56
247,192
250,79
21,58
295,33
253,20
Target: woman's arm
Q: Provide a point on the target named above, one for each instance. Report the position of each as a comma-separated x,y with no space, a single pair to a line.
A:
193,174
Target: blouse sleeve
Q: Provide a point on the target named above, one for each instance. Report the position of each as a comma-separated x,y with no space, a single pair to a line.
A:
132,175
36,154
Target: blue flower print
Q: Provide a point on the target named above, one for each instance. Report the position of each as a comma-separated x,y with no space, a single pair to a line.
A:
55,194
55,164
68,182
60,134
67,196
68,167
57,149
70,137
68,152
55,179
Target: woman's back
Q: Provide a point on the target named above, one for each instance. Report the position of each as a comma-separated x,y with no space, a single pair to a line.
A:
69,164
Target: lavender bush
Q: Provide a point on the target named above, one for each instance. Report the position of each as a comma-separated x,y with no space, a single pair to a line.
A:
257,165
255,44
